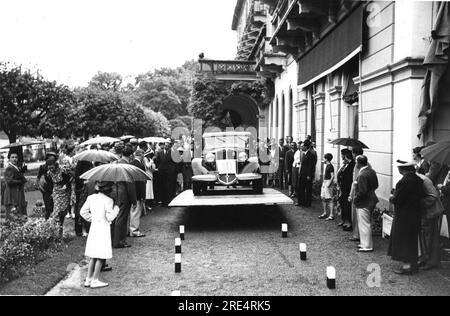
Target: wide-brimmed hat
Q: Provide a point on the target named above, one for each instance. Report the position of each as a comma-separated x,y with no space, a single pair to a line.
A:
406,164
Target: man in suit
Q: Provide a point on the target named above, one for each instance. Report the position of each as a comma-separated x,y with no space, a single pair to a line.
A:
281,169
167,170
136,212
306,176
365,202
125,195
289,161
431,212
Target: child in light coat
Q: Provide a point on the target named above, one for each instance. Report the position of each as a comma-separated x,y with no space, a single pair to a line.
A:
99,209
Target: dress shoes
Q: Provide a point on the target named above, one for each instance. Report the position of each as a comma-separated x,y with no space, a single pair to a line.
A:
95,284
427,267
137,235
341,224
347,229
365,250
408,271
322,216
354,239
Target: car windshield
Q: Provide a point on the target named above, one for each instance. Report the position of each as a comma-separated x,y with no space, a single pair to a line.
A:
226,141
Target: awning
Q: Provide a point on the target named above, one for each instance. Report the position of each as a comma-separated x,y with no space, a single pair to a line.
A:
437,64
334,50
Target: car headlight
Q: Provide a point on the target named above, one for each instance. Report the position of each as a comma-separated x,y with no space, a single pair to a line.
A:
242,157
210,157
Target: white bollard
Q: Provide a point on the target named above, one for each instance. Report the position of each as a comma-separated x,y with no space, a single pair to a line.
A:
284,230
331,278
177,245
302,248
177,262
182,232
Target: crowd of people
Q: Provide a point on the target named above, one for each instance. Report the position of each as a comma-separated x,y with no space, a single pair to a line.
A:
67,196
420,199
108,214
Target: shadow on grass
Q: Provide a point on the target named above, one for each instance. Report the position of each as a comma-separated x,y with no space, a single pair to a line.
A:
232,218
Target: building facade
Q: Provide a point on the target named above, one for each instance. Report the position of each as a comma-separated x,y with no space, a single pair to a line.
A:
345,69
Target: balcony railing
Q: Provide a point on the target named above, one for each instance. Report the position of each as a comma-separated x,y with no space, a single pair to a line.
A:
228,67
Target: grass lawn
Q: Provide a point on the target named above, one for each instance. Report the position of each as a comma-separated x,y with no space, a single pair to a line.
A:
49,272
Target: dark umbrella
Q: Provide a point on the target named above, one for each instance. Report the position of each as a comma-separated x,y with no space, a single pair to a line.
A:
115,172
439,153
19,144
349,142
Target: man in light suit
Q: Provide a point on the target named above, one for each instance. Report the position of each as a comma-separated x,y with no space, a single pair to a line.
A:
365,202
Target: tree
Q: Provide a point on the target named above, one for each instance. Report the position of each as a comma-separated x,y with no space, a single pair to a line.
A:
106,81
27,101
157,125
177,123
206,102
166,90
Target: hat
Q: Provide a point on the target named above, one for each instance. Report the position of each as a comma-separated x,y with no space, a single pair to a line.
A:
119,144
51,154
307,143
103,186
134,141
402,163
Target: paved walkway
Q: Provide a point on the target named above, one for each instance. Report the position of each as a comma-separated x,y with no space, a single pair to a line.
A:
239,251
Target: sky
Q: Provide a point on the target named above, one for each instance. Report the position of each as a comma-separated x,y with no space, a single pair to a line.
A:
71,40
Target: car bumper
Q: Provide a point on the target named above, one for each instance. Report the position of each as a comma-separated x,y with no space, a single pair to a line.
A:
239,177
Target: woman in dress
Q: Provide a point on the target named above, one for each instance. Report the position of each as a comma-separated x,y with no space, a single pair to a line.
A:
327,189
14,195
99,209
149,169
62,191
403,242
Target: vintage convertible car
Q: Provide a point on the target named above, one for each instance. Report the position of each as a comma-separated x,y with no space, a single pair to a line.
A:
225,162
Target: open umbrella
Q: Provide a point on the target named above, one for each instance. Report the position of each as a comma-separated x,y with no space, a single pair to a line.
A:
100,140
116,172
156,140
439,153
126,137
349,142
20,144
96,156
